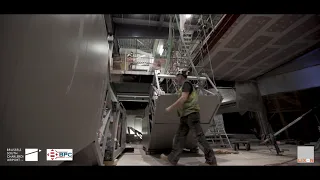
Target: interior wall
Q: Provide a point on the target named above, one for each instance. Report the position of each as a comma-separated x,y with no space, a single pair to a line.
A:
53,82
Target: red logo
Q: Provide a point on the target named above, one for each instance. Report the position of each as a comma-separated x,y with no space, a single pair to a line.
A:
53,154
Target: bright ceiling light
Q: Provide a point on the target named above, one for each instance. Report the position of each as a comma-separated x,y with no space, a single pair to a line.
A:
188,16
160,49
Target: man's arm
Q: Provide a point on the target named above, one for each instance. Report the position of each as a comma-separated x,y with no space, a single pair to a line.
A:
186,89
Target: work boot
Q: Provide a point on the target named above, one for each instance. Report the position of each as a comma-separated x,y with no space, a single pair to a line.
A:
195,150
165,158
208,164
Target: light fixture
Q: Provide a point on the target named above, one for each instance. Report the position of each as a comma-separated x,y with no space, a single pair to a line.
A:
160,49
188,16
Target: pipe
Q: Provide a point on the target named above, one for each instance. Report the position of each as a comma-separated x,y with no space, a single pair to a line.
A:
157,80
287,126
169,46
167,76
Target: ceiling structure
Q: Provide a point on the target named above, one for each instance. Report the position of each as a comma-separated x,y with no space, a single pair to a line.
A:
256,44
145,45
139,31
252,46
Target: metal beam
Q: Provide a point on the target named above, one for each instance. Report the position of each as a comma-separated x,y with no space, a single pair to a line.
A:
110,31
115,46
135,31
161,21
109,24
166,76
142,22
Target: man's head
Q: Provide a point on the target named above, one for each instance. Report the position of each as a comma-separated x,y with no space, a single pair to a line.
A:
181,76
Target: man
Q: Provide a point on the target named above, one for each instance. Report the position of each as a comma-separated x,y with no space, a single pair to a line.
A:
189,113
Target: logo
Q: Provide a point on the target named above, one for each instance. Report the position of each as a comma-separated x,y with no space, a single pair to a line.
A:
15,154
59,154
31,154
305,154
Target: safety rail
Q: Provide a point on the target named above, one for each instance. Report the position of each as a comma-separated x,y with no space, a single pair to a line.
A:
146,64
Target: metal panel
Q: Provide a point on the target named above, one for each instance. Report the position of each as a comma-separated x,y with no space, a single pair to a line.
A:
302,29
293,81
248,96
130,87
131,72
208,104
166,76
136,31
248,30
162,136
165,124
53,71
228,108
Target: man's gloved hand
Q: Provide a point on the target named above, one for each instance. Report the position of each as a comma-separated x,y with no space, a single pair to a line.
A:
168,109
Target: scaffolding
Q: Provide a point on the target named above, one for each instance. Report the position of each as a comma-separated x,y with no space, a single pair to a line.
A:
191,41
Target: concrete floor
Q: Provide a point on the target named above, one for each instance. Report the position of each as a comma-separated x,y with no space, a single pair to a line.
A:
257,156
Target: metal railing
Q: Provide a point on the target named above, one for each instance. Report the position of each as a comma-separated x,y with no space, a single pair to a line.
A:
145,64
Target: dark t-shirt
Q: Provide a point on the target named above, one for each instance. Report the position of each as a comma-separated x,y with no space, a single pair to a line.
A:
187,87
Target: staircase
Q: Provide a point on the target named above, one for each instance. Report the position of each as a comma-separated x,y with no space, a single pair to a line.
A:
217,133
184,48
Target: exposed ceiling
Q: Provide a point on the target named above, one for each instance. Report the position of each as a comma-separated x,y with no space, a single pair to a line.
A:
129,33
146,28
256,44
253,45
156,20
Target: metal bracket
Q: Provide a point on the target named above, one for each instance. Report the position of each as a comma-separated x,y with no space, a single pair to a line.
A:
110,39
115,106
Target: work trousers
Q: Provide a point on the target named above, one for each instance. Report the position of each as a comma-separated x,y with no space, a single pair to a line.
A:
187,123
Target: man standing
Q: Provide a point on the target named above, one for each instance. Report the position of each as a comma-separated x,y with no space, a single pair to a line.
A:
189,113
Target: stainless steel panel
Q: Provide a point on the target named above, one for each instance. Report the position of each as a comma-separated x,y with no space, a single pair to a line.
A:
161,116
167,76
53,80
162,136
165,124
228,108
208,106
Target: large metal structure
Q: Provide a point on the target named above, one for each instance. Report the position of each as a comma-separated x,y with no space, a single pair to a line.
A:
54,82
159,126
154,136
115,133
